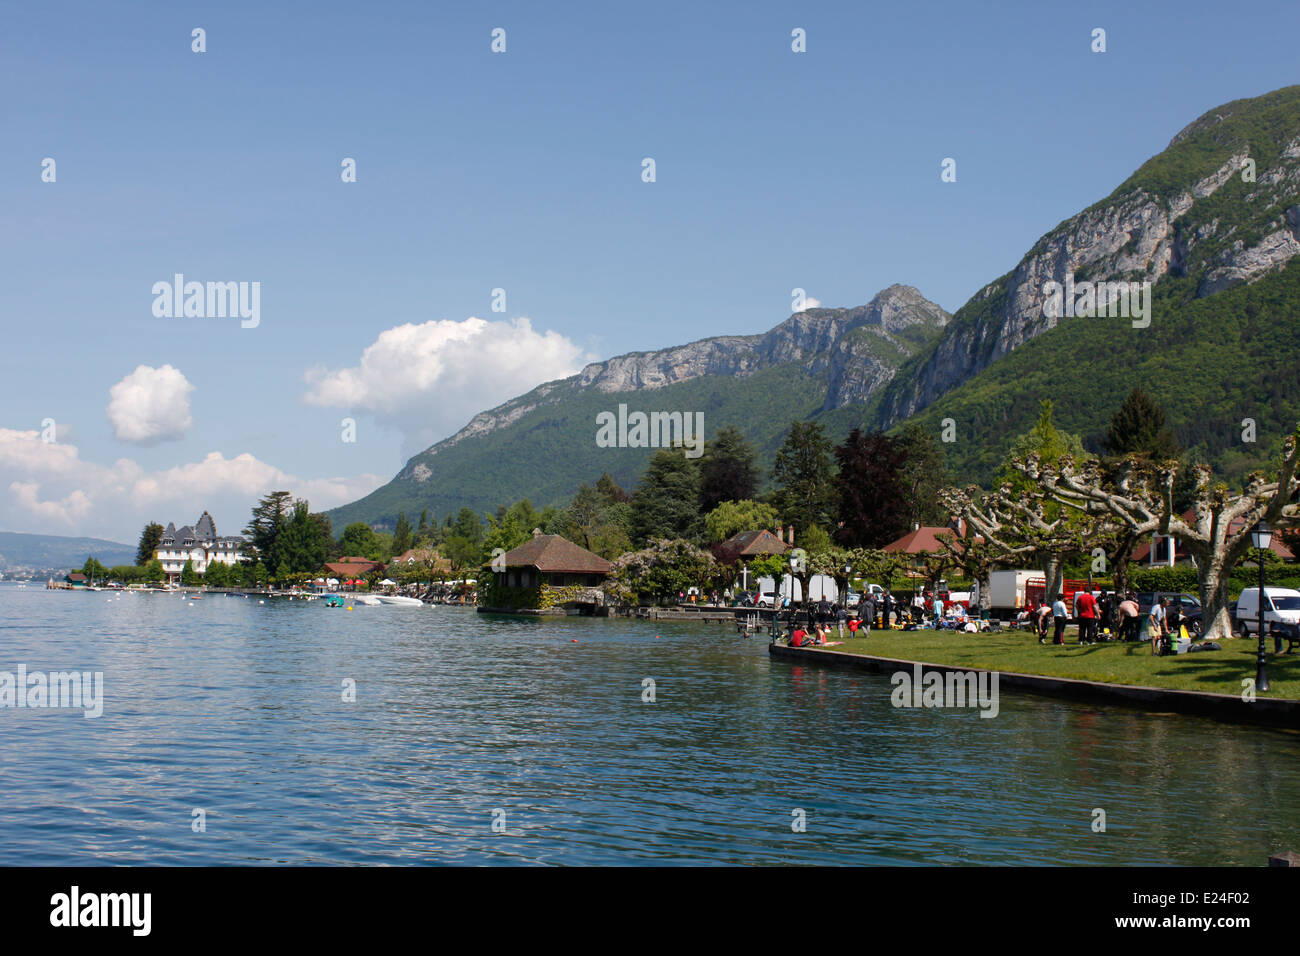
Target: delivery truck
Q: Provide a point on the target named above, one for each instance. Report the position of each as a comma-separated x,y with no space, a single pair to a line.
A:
1007,591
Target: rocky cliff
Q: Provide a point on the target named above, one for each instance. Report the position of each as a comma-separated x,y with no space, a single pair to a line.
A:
1220,205
861,349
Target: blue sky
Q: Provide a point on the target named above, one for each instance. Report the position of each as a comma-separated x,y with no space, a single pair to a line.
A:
519,171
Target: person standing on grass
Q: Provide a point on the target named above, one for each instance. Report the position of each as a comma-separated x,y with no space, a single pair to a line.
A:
1060,617
1128,617
1087,605
867,612
841,618
1156,625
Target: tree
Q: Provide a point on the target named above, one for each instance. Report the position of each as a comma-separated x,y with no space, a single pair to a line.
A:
608,487
922,474
872,501
402,534
511,527
359,539
729,469
662,569
469,526
815,539
666,504
1044,441
1138,428
598,518
462,553
153,572
424,523
1018,525
305,541
805,494
217,575
732,517
149,540
93,570
1218,534
268,521
189,577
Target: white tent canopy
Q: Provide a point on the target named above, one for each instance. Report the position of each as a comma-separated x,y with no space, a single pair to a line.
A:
387,582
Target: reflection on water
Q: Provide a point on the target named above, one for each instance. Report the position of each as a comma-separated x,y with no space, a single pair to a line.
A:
237,708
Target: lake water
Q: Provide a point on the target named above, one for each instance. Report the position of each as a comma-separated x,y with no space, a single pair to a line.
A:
236,708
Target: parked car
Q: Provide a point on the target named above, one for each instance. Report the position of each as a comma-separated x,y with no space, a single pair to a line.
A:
1189,604
1282,606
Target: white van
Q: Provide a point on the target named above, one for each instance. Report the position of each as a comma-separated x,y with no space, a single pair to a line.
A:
1282,606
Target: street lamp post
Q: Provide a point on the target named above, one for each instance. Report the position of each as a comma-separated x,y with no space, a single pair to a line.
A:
1261,536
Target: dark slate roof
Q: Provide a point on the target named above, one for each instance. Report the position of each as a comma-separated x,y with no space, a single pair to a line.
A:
205,529
555,554
204,532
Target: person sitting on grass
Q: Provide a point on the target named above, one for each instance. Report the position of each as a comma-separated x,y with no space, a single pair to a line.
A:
798,636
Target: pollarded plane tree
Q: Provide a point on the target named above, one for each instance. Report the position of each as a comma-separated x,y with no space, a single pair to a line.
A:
1218,534
1020,526
1106,522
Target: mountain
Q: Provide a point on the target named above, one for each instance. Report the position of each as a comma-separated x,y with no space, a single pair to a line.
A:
43,551
1186,212
542,445
1212,223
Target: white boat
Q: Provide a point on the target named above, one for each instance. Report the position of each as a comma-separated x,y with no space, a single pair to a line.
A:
398,599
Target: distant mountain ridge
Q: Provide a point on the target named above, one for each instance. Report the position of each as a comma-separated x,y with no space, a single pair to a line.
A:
1212,222
41,551
814,360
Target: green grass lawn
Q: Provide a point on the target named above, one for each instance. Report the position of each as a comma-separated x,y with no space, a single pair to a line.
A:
1213,671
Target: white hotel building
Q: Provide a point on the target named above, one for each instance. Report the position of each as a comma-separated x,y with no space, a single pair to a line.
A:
199,544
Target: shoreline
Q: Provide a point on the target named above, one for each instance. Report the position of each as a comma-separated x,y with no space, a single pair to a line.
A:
1281,712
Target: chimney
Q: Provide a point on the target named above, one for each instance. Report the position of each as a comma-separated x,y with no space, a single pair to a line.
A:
537,532
790,532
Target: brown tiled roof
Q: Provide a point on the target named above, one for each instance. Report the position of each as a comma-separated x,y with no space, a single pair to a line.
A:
352,567
749,544
921,541
553,553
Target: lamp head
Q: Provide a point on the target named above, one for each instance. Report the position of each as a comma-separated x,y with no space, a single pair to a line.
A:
1261,536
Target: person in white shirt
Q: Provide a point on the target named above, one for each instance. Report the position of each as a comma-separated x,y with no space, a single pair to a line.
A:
1060,617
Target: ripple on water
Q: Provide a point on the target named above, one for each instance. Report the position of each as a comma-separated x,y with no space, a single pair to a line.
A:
236,708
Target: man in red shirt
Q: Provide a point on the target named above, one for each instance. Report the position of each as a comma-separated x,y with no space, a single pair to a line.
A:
797,637
1087,618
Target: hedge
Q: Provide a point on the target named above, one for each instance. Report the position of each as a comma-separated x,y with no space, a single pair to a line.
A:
1183,578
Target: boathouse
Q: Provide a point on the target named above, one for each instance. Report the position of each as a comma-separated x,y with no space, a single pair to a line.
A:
548,574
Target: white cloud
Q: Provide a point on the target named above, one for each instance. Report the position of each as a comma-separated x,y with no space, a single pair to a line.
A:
429,380
150,405
51,490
